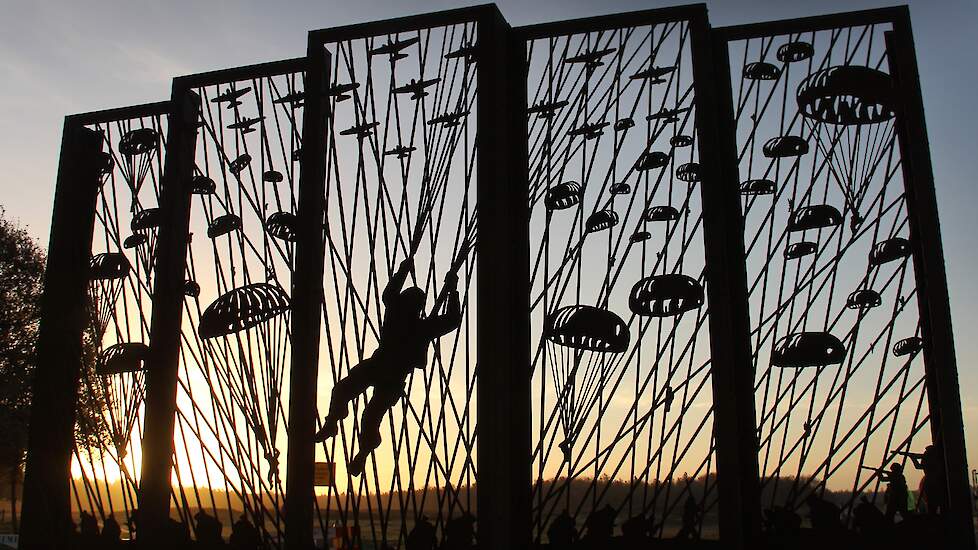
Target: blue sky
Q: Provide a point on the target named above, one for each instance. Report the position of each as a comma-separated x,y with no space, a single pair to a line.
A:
62,57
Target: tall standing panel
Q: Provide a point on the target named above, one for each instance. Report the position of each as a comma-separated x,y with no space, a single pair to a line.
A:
420,166
232,393
632,318
60,336
849,320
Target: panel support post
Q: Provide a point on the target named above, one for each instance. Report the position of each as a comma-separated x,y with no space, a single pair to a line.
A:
47,504
726,284
503,296
940,364
307,300
163,361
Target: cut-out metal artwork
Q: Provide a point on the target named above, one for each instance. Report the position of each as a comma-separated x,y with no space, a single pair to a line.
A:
760,70
908,346
816,146
889,250
808,349
236,334
665,295
223,225
242,308
661,213
282,225
203,185
785,146
610,110
122,358
758,187
119,302
401,171
816,216
864,299
622,366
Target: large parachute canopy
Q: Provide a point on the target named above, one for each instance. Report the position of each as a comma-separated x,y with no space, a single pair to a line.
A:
137,148
243,308
121,369
580,339
107,274
850,109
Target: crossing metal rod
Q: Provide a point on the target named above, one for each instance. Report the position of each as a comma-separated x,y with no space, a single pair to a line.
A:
503,293
940,363
163,361
307,297
47,506
726,285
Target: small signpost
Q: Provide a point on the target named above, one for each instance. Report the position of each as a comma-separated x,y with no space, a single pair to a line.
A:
324,474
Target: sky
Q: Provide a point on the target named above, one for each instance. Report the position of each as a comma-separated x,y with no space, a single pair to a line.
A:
64,57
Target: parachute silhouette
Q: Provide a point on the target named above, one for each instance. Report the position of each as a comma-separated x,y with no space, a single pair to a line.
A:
121,370
850,110
254,328
808,349
137,149
107,276
242,308
579,340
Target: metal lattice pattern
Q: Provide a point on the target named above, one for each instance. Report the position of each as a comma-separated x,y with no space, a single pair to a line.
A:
400,160
839,381
106,473
621,358
233,386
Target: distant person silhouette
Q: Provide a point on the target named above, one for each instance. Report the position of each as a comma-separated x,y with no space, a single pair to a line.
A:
405,335
562,532
422,536
782,521
933,493
823,514
244,535
111,536
179,533
691,517
896,492
208,530
89,532
459,533
867,518
636,531
599,527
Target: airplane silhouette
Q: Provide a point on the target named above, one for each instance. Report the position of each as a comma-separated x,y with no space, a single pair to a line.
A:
589,131
416,88
246,124
231,96
591,59
339,91
668,115
402,151
468,52
547,110
448,120
654,74
393,48
360,130
294,99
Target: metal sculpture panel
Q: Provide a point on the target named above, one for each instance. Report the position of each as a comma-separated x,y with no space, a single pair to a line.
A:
127,218
397,362
840,383
233,386
623,422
